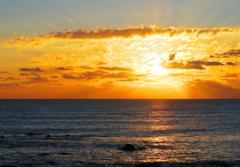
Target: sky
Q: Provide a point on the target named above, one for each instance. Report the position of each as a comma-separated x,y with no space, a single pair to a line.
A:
120,49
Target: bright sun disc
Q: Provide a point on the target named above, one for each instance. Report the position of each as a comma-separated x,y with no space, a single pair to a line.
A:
158,70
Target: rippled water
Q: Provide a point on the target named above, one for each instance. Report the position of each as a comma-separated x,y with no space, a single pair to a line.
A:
92,132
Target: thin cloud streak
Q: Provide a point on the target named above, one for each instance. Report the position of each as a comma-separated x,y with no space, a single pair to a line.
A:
127,32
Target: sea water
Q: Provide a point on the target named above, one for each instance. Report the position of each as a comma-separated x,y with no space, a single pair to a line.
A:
88,133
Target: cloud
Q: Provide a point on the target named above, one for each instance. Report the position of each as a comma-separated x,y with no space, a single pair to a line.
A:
4,72
37,79
86,75
213,63
62,68
129,79
192,65
129,32
21,42
219,56
109,33
36,61
29,74
231,52
100,74
25,74
10,78
57,56
180,65
230,75
35,74
116,68
86,67
31,69
94,74
171,56
230,63
102,63
70,76
10,86
122,75
48,58
54,76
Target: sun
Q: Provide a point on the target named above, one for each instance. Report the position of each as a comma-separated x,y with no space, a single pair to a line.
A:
153,65
157,69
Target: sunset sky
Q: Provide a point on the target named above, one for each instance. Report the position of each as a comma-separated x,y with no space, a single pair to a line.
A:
119,49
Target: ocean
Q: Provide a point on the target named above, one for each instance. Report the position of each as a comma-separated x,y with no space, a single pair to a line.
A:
91,133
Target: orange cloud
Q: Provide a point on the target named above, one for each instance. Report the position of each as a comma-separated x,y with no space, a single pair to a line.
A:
31,69
10,86
129,32
231,52
100,74
205,63
116,69
4,72
230,63
10,79
62,68
25,74
36,80
231,75
194,64
181,65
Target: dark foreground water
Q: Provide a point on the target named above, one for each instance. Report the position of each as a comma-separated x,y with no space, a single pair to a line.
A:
91,133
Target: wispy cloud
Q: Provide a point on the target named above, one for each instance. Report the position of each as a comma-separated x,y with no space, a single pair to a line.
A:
101,74
205,63
62,68
231,75
25,74
116,68
37,79
10,79
127,32
230,63
4,72
37,69
135,31
10,86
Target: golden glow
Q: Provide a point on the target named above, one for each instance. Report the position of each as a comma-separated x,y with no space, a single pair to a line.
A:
169,63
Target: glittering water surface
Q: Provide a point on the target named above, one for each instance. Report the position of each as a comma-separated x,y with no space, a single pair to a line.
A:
92,132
